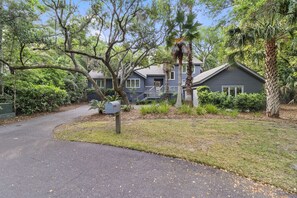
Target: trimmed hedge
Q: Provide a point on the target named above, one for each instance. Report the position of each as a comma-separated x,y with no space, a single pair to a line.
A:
39,98
242,102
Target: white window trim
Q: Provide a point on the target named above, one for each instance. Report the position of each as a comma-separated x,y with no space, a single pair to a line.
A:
104,83
135,83
170,75
235,86
194,68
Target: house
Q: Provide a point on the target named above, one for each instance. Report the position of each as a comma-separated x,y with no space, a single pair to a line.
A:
232,78
148,83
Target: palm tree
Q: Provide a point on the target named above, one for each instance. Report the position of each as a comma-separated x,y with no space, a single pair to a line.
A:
191,33
179,50
272,22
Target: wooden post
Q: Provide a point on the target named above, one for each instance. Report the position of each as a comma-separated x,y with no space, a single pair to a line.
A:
118,123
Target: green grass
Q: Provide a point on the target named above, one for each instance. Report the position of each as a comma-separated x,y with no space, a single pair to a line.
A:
263,151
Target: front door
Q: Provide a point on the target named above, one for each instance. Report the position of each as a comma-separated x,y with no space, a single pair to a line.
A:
158,86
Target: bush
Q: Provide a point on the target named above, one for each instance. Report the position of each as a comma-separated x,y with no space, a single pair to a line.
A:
203,88
242,102
162,108
126,108
250,102
200,110
39,98
100,105
212,109
185,109
219,99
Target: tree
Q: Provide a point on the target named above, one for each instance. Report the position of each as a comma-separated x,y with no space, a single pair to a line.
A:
271,22
182,27
178,51
207,46
126,29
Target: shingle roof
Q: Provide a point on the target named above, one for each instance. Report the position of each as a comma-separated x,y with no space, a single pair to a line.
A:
156,70
208,74
204,76
96,74
152,70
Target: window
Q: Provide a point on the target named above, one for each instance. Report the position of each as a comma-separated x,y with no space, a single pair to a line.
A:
232,90
101,83
185,68
133,83
171,75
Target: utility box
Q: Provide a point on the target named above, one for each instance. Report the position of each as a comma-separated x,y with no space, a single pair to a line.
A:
112,107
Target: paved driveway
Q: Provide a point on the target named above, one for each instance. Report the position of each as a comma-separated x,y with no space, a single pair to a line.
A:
32,164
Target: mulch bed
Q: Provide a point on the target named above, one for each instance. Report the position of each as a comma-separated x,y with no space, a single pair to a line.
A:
288,114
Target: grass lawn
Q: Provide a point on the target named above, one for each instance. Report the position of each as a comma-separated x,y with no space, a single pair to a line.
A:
261,150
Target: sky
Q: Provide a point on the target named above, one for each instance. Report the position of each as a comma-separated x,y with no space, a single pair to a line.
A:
202,15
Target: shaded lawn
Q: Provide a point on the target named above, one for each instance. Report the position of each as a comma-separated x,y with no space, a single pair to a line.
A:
261,150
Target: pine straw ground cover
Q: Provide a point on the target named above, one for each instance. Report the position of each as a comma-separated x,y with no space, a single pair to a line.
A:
264,150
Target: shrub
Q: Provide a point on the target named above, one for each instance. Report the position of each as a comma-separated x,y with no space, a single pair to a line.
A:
250,102
39,98
185,109
200,110
162,108
126,108
203,88
242,102
100,105
216,98
212,109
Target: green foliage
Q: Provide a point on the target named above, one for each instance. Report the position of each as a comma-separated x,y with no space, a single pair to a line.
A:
39,98
126,108
111,98
212,109
185,109
242,102
251,102
200,110
162,108
219,99
100,105
203,88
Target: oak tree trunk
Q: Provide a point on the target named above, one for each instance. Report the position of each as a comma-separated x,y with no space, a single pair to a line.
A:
271,85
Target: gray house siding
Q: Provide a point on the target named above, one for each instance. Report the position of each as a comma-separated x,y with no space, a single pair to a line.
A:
134,93
235,76
184,75
149,82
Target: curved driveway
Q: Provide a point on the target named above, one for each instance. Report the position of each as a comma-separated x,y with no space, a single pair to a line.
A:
32,164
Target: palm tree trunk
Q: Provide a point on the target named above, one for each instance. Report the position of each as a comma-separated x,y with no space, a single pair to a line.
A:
189,80
271,86
179,84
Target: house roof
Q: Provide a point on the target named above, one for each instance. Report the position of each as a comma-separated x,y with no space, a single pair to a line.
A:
154,70
204,76
96,74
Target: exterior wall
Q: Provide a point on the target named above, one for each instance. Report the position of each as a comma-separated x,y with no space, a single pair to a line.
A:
149,81
235,76
133,94
6,110
184,75
108,83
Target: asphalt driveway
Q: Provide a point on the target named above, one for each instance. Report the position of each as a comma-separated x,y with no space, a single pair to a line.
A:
32,164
